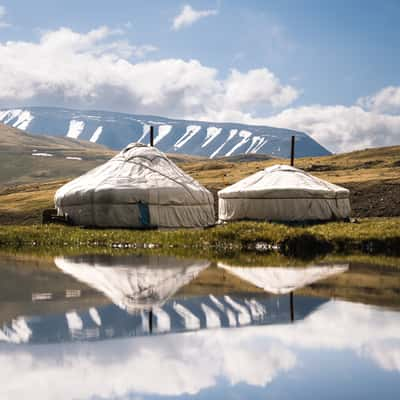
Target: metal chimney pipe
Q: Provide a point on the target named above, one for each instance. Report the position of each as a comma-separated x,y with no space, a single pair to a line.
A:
292,151
151,135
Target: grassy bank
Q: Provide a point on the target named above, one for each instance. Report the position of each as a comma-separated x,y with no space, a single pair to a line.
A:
374,236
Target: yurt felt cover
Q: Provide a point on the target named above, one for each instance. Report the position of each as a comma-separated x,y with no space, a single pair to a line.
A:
138,188
283,193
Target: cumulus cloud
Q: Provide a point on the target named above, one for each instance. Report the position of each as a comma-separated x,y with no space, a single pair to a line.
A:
385,100
95,69
257,86
188,16
373,121
340,128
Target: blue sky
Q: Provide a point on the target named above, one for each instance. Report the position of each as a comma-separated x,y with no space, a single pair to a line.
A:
329,60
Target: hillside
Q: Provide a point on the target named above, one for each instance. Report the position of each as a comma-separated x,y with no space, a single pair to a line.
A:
206,139
27,159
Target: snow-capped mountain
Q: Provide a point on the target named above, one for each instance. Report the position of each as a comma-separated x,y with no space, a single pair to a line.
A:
116,130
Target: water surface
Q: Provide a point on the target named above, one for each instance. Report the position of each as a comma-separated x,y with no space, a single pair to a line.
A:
150,326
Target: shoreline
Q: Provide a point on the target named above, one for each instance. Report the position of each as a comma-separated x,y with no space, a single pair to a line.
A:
368,236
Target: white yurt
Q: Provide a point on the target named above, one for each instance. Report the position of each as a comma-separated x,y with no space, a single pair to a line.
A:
138,188
283,193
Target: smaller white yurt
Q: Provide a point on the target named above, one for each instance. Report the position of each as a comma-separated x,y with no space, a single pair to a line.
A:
283,193
283,280
138,188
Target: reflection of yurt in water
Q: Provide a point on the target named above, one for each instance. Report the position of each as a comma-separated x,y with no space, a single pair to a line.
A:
283,193
138,188
282,280
133,282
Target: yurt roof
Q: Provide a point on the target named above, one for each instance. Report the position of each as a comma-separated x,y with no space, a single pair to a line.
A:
282,280
129,176
133,283
283,181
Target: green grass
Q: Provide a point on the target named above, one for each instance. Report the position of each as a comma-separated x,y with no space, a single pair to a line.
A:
375,236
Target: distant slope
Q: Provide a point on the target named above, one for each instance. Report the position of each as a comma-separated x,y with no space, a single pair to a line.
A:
28,158
116,130
17,140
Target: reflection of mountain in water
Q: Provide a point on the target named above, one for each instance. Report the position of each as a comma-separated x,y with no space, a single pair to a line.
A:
281,280
140,288
177,315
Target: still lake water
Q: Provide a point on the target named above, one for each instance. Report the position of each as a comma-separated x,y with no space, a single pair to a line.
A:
152,327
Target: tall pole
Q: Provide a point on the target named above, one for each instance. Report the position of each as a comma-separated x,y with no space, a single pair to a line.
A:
291,307
151,135
151,321
292,151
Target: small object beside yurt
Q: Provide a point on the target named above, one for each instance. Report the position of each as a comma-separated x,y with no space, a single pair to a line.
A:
283,193
138,188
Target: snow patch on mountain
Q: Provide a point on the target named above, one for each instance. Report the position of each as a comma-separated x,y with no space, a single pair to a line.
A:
163,131
42,154
245,135
256,143
232,134
17,118
23,120
74,158
75,128
7,116
212,133
146,131
191,130
96,134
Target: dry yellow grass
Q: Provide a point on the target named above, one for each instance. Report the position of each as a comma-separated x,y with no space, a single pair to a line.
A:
381,164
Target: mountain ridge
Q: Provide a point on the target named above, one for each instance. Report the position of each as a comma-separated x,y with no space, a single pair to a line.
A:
116,130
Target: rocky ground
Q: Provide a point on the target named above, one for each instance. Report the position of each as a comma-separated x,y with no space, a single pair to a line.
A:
375,199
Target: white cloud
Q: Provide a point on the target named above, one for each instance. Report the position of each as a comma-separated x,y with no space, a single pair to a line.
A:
385,100
340,128
94,69
188,16
373,121
255,87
